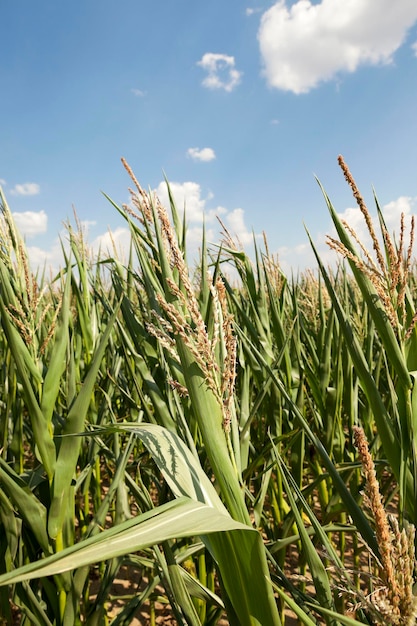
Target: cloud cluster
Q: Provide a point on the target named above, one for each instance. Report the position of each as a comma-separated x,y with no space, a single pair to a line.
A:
205,154
392,215
307,43
235,222
51,259
393,210
26,189
186,195
301,257
189,195
221,71
116,242
31,223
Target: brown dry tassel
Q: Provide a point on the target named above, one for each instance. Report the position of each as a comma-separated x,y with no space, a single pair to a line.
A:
383,534
364,209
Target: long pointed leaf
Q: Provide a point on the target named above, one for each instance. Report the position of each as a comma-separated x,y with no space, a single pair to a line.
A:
70,446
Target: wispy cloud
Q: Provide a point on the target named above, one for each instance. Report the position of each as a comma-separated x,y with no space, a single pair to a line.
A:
26,189
252,11
86,224
205,154
2,182
31,223
305,43
139,93
221,71
414,48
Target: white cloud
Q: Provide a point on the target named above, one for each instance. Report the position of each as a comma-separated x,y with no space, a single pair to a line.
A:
301,257
113,242
235,223
392,211
186,194
392,216
221,71
138,93
414,48
205,154
353,216
190,195
52,260
2,182
85,224
31,223
305,44
251,11
26,189
195,238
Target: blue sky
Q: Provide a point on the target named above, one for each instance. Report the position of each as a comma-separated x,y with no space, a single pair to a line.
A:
241,103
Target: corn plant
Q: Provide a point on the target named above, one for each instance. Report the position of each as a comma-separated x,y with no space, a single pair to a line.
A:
211,434
50,394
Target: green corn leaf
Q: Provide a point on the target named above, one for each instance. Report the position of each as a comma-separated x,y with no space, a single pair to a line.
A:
179,466
209,415
26,369
352,507
302,615
57,357
383,420
70,446
317,568
343,619
373,303
181,518
198,590
238,555
31,510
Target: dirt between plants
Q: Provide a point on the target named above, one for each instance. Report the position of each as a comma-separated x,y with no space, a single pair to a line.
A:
127,584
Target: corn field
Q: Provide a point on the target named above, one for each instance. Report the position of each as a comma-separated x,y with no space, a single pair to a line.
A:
245,446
